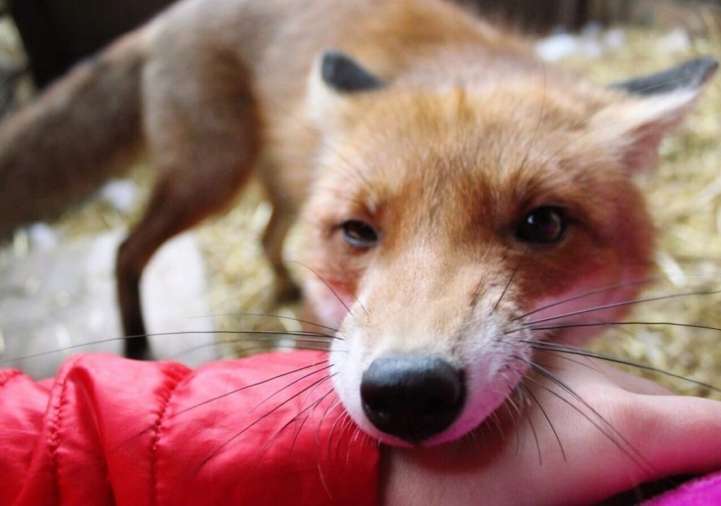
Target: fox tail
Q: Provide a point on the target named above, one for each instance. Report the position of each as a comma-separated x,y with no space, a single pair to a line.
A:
79,132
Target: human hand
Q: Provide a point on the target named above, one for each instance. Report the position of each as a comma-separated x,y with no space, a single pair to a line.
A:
632,431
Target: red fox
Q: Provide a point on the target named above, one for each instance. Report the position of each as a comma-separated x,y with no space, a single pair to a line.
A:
450,183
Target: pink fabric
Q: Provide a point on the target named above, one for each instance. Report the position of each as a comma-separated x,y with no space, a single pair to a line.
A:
702,491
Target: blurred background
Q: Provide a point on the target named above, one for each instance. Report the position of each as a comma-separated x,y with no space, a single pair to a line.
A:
56,285
57,33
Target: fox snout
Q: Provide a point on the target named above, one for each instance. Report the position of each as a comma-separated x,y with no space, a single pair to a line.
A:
412,397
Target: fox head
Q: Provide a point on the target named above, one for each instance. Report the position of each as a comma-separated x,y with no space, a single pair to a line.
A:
453,222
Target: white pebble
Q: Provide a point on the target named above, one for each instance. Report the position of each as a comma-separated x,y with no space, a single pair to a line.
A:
675,41
614,38
42,236
556,47
121,194
592,42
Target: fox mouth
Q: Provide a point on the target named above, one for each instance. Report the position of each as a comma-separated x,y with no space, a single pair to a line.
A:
412,400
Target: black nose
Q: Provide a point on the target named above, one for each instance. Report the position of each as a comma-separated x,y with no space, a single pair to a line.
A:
410,397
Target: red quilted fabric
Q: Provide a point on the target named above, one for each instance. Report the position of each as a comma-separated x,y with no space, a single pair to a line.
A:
111,431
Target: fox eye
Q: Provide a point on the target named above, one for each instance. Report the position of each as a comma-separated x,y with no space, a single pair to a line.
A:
359,234
543,225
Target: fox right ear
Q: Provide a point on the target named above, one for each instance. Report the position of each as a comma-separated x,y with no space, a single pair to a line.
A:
690,75
650,108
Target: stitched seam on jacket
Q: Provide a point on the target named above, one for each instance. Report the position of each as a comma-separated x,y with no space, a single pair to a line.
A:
175,379
54,425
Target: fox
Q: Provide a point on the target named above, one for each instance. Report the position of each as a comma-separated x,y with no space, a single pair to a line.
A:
454,192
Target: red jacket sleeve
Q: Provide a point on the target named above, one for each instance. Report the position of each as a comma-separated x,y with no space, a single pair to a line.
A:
267,430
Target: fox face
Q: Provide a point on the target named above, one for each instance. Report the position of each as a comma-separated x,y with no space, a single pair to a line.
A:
451,226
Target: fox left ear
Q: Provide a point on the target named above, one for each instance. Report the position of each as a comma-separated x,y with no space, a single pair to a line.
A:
340,72
334,80
653,106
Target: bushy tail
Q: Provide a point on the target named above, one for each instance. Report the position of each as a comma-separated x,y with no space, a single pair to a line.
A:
73,137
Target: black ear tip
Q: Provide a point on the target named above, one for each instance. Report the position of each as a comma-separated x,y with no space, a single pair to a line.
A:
331,64
705,67
342,73
688,75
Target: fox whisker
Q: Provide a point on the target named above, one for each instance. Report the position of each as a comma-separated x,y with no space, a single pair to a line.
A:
612,324
330,288
532,426
624,303
530,395
270,345
309,409
257,333
294,382
244,314
515,413
238,434
571,350
312,408
340,419
505,288
252,385
218,397
594,418
583,295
